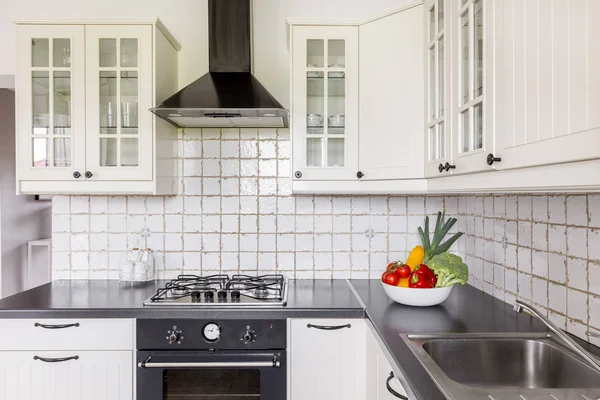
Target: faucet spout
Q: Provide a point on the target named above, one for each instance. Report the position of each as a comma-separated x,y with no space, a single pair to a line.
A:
520,306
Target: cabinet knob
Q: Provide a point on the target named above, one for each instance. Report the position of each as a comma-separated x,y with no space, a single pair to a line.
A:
491,159
88,174
441,167
298,174
359,174
449,166
76,174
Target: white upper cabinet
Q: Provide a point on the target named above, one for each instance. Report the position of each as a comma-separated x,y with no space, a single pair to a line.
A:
357,143
392,74
549,90
325,102
83,95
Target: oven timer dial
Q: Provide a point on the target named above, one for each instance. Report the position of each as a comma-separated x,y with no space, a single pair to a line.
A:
211,332
174,335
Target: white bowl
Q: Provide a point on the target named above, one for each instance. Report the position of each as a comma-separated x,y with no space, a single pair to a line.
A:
337,120
314,120
417,297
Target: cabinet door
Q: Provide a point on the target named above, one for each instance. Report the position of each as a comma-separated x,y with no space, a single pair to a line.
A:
551,83
391,97
325,102
438,85
473,83
106,375
327,364
50,99
120,130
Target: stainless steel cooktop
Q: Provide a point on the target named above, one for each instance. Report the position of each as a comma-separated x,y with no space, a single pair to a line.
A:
222,291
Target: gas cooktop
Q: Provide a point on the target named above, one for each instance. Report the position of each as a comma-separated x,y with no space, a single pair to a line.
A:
222,291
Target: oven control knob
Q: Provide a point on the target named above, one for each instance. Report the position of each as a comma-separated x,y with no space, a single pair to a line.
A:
249,336
174,336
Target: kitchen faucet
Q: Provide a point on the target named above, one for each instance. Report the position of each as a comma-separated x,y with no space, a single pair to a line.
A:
520,306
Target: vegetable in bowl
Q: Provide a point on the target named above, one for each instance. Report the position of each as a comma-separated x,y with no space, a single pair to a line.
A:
449,269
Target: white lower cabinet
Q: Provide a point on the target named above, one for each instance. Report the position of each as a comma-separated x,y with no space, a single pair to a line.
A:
58,359
98,375
327,359
378,370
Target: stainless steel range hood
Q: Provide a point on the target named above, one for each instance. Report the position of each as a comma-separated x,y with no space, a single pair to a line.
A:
228,96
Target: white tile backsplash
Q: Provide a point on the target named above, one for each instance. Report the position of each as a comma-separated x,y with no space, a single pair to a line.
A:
236,214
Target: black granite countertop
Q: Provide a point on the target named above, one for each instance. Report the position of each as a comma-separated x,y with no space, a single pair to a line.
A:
467,310
320,298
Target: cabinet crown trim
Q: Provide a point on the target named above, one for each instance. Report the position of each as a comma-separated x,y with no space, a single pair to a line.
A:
92,21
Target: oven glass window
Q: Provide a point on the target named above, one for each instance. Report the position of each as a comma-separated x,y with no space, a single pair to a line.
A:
211,384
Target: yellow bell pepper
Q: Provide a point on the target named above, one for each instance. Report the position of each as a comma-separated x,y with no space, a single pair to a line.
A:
415,258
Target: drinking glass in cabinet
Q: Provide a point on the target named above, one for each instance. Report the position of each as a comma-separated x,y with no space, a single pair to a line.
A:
129,117
315,53
108,102
108,152
129,102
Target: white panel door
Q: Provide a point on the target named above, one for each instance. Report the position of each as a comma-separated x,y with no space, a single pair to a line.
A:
325,102
551,84
50,100
106,375
119,83
392,71
327,364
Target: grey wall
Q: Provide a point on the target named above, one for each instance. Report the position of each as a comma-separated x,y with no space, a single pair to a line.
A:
21,217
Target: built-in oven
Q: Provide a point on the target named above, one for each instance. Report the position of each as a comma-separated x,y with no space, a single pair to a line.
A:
211,360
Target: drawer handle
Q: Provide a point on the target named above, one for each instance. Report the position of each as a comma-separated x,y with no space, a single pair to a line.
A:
54,360
392,391
76,324
328,328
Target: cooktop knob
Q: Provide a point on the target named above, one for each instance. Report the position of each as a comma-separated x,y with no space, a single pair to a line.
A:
248,337
222,295
195,296
235,294
209,295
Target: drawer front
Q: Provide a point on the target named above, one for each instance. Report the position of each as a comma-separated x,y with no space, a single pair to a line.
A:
66,334
66,375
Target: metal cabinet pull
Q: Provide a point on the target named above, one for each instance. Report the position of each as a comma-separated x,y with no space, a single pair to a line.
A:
75,325
491,159
392,391
88,174
328,328
54,360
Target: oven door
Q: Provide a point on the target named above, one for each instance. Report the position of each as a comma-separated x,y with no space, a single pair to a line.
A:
205,375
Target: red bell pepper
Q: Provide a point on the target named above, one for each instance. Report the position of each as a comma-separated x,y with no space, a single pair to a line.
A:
425,270
420,281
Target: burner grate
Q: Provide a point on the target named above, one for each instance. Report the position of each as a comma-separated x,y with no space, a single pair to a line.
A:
240,289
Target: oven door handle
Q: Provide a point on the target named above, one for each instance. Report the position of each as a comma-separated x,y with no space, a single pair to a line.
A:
275,363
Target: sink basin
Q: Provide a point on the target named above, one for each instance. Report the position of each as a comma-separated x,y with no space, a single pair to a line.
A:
504,366
516,363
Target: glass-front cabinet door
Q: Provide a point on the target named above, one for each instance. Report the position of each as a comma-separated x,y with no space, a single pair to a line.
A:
51,102
325,103
437,123
119,94
472,105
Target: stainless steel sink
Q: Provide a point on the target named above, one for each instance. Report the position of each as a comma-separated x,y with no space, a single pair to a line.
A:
501,366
